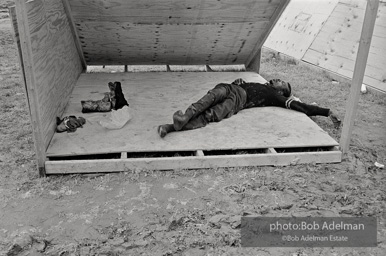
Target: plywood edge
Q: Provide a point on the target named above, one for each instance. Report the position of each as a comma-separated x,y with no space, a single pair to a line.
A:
26,56
254,65
359,72
74,32
190,162
254,57
12,15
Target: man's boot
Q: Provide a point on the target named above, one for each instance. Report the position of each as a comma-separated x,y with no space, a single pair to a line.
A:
194,110
180,119
118,100
69,123
112,99
95,106
195,123
165,129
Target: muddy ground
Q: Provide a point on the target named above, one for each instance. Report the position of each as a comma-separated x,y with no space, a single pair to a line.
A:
180,212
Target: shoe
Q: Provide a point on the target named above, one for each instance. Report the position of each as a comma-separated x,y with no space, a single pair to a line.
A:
118,100
107,97
112,87
180,119
195,123
95,106
165,129
69,123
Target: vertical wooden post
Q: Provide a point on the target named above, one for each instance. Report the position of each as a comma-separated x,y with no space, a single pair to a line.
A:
359,71
254,65
208,68
30,80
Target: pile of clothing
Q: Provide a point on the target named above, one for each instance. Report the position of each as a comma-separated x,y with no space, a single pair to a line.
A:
113,101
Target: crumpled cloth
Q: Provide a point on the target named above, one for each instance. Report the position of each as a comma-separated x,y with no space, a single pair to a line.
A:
117,119
69,123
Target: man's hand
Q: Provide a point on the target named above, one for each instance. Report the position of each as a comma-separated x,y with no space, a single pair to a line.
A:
335,120
238,81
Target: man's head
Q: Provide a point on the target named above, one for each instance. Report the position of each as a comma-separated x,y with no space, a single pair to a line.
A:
283,88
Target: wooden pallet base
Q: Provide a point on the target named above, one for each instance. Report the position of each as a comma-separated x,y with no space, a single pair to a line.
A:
253,137
191,160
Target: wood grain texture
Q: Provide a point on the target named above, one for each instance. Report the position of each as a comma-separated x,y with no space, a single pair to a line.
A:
154,97
255,53
326,34
336,46
56,63
183,44
359,71
171,31
28,67
173,11
298,26
194,162
67,9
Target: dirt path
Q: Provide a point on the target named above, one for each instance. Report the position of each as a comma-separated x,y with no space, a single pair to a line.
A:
183,212
179,212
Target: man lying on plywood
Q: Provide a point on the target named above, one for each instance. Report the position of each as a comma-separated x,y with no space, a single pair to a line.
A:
225,100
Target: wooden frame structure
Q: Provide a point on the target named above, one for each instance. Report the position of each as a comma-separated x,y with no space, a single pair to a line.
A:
57,39
325,34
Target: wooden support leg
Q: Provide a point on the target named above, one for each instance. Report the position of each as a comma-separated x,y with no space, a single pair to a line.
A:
270,151
30,83
208,68
359,71
199,153
254,65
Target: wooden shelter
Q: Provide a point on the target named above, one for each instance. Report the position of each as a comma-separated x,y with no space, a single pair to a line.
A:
326,34
57,39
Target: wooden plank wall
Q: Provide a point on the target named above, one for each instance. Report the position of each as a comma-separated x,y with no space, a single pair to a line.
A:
171,31
55,62
334,47
298,26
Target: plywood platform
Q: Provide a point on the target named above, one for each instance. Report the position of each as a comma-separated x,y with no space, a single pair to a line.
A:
261,136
